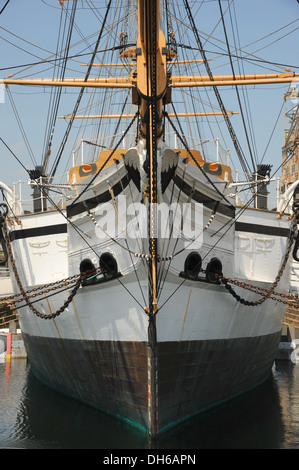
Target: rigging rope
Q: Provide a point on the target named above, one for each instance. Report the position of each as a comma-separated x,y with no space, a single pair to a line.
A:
241,69
67,132
45,193
56,95
236,88
190,155
196,162
21,127
106,161
237,146
3,8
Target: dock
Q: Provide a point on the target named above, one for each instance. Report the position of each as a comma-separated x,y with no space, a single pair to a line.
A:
12,345
289,342
288,346
11,339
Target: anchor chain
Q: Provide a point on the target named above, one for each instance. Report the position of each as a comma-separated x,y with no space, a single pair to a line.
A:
268,293
18,280
290,299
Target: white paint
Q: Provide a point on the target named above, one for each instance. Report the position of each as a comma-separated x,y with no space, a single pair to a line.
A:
108,312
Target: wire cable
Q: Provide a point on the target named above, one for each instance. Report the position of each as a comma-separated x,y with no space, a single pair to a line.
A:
3,8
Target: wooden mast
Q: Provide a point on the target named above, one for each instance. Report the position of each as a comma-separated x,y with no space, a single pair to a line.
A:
151,94
151,88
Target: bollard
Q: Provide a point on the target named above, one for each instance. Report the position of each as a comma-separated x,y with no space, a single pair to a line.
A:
8,347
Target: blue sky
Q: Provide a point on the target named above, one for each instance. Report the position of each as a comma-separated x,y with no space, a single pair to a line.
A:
36,21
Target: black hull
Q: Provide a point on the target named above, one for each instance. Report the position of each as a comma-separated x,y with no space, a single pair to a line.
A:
113,376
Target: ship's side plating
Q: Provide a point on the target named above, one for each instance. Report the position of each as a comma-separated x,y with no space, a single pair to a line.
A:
210,346
152,335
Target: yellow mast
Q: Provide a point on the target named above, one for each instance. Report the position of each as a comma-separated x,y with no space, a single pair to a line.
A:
125,116
173,82
132,64
149,95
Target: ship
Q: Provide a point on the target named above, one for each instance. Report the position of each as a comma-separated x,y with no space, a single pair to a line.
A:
143,287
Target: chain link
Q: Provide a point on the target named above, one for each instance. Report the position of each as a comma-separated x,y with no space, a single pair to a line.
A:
268,293
75,282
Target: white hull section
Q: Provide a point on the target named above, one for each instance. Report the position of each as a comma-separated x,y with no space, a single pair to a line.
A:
196,312
47,249
203,346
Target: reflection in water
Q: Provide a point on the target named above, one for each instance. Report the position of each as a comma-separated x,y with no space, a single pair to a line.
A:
287,378
34,416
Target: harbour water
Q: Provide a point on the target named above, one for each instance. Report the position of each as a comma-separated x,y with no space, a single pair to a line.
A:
32,416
